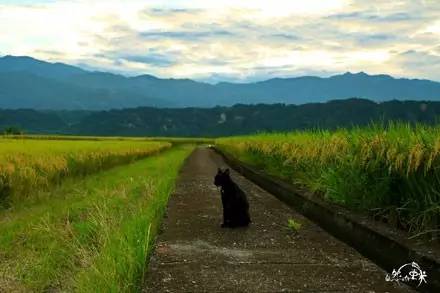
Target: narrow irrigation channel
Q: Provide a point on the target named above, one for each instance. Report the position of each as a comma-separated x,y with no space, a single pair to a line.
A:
193,254
387,247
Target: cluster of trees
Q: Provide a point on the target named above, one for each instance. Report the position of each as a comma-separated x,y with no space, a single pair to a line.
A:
32,121
221,121
12,130
243,119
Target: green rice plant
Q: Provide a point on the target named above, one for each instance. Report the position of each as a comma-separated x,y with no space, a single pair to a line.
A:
377,168
89,234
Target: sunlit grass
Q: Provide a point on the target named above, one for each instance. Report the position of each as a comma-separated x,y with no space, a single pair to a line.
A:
89,234
392,172
27,165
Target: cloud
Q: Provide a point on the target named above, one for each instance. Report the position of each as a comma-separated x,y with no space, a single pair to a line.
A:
283,36
194,35
422,64
242,40
151,59
374,39
165,12
53,53
369,16
171,11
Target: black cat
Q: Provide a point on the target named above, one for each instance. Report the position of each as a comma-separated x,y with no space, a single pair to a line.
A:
235,204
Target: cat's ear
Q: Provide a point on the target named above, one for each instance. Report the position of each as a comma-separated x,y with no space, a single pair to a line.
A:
226,171
219,171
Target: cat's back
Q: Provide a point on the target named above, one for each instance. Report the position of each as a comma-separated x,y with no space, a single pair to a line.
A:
240,194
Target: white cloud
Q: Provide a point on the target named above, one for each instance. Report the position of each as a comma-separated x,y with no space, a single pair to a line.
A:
241,39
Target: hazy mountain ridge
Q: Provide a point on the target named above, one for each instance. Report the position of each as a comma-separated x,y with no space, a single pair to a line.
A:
26,82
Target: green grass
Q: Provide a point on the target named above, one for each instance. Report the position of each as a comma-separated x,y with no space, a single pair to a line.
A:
294,225
184,140
391,172
88,235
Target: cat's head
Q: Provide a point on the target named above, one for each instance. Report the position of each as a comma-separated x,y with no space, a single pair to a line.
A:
222,177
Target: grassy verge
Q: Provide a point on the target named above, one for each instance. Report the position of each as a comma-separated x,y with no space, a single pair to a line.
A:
391,172
91,234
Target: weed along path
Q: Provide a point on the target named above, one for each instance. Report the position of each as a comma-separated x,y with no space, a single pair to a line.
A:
193,254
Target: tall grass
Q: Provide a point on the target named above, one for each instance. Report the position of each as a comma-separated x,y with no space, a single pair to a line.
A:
392,172
89,234
26,165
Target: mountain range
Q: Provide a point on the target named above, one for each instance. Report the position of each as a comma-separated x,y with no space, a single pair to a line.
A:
29,83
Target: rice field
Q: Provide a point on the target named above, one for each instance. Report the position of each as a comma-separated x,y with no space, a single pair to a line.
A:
82,215
28,165
174,140
391,173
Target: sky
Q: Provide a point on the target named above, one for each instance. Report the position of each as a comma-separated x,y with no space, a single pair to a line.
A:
229,40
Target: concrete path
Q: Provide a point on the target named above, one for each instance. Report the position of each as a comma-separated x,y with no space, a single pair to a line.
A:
193,254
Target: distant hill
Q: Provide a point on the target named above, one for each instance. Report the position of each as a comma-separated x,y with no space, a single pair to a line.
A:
31,121
37,67
220,121
30,83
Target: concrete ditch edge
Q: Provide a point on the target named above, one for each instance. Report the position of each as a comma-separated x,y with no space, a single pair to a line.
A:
382,249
